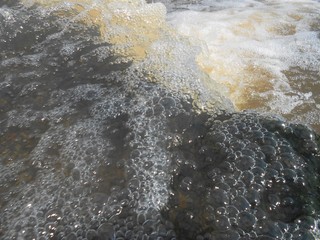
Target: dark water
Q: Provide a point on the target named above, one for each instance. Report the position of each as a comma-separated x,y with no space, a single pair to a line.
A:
91,149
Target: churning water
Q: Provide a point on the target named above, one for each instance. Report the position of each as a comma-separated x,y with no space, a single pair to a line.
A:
124,119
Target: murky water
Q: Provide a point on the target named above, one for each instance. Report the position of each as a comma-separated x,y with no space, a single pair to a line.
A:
113,125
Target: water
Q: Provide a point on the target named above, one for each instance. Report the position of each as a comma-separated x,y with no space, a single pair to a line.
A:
266,53
124,120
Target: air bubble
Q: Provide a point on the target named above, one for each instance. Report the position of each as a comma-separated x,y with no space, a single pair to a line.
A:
269,229
232,211
236,145
302,235
287,236
222,223
241,203
167,102
148,226
269,141
289,174
247,177
253,197
271,174
53,215
218,197
212,174
106,231
232,235
221,211
158,109
274,199
186,183
219,136
256,136
72,236
303,132
306,222
75,174
270,152
32,221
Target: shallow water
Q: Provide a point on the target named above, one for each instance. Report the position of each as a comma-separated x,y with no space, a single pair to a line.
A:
265,53
110,129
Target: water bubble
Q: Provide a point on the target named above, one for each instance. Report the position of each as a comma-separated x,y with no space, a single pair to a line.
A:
287,202
219,136
212,174
306,222
223,186
310,147
247,177
274,199
302,131
232,211
218,197
256,135
186,183
302,234
236,145
148,226
258,171
253,197
221,211
246,221
32,221
106,231
141,218
222,223
287,236
241,203
162,231
75,174
225,166
285,149
129,234
209,214
167,102
245,163
232,235
158,109
269,228
270,141
72,236
270,152
271,174
289,174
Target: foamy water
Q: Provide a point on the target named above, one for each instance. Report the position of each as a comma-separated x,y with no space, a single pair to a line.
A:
119,120
265,53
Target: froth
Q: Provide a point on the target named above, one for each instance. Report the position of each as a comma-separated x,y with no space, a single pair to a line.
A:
131,25
250,50
101,144
139,34
87,118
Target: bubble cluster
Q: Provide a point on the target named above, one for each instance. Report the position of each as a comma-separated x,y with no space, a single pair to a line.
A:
83,148
254,176
265,53
91,149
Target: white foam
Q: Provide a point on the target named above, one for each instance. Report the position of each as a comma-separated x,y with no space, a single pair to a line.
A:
248,45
